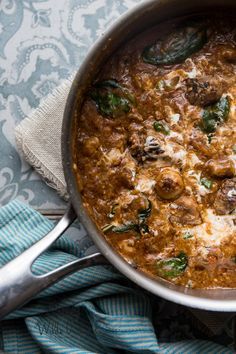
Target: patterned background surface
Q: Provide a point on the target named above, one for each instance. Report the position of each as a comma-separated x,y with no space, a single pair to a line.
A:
41,43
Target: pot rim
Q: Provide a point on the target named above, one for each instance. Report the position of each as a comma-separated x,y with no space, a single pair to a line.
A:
212,299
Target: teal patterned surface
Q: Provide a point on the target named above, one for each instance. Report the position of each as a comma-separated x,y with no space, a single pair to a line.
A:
41,43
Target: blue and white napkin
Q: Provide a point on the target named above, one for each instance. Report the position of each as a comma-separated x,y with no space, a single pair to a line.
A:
95,310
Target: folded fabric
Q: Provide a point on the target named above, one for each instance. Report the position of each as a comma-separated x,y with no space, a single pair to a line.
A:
95,310
38,137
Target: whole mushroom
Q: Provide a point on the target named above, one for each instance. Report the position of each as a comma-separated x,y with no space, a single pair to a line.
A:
169,184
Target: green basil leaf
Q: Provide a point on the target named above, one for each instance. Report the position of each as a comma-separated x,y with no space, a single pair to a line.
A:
126,227
107,228
113,211
209,137
140,227
111,104
112,100
172,267
206,183
176,47
162,128
143,214
121,228
215,115
187,235
143,228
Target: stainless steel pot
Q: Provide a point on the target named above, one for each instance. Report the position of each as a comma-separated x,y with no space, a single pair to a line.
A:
17,283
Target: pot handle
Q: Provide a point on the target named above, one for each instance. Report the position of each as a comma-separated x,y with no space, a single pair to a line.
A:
18,284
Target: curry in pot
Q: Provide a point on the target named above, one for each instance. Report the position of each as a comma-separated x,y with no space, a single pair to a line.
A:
156,152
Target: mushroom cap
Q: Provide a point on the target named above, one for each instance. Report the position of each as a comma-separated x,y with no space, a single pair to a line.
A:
169,184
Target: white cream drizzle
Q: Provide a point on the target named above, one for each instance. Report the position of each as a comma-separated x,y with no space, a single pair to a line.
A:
214,228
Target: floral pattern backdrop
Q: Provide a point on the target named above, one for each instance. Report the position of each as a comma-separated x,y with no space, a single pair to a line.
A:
41,43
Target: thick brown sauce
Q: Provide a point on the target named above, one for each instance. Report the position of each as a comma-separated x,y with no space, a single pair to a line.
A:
118,174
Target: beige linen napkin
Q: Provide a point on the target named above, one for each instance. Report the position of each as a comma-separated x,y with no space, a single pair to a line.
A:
38,138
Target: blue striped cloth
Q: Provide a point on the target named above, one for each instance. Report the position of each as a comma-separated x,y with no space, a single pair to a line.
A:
90,311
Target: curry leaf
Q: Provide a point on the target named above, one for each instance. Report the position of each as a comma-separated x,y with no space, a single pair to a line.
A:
176,47
215,115
172,267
